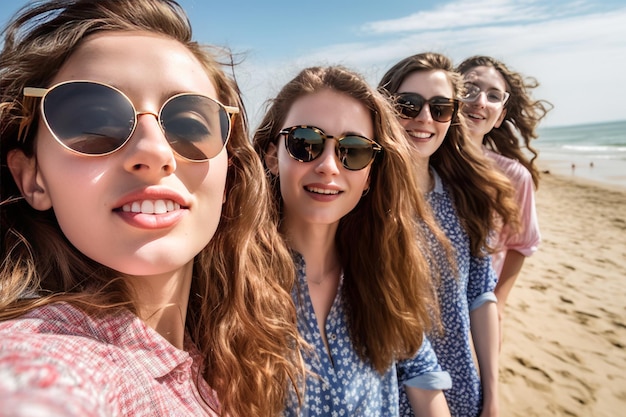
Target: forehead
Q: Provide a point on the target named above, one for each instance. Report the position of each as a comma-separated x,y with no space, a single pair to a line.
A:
486,77
334,112
427,83
137,62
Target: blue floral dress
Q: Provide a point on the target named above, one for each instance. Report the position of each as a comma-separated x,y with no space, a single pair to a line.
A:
458,296
342,384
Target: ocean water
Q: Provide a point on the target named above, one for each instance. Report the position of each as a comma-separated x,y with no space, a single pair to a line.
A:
592,151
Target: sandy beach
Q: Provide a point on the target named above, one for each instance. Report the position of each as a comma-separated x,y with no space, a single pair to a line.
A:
564,349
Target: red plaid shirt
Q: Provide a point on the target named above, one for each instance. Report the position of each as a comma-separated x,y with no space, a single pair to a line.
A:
58,361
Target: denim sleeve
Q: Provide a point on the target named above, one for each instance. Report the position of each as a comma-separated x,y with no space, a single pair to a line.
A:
481,283
423,370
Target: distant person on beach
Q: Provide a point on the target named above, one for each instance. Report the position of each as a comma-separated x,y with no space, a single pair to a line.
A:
343,184
466,196
502,118
141,273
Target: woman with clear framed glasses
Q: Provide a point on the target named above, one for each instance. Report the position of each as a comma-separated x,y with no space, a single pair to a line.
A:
464,194
349,211
502,118
141,272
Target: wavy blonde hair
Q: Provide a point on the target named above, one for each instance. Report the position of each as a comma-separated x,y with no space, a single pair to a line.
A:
523,114
382,242
241,316
483,197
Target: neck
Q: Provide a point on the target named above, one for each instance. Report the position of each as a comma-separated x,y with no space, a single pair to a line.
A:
475,139
162,302
425,181
316,243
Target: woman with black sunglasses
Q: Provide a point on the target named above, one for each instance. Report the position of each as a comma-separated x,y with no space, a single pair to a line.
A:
141,272
349,210
466,197
499,111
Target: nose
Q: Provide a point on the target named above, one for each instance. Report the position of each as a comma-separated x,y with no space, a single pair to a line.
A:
481,99
328,162
149,152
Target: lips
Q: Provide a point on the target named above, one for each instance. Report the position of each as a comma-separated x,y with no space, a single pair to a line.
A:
151,206
324,191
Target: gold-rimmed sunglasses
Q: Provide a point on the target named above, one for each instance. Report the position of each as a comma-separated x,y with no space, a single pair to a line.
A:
92,118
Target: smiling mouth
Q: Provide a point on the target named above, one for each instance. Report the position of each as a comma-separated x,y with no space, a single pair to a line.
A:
419,135
150,207
324,191
475,116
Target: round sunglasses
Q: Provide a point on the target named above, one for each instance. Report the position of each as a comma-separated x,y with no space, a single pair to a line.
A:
442,109
95,119
306,143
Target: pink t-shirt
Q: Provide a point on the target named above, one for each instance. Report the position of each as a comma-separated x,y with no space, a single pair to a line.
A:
528,238
58,361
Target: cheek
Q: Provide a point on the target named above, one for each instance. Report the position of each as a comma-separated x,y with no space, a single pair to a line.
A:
211,184
404,122
442,130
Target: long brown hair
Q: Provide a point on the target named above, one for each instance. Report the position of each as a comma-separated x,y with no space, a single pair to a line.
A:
382,244
481,194
523,114
241,316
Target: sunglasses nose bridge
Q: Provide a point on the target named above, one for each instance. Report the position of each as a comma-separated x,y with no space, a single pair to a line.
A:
325,157
141,113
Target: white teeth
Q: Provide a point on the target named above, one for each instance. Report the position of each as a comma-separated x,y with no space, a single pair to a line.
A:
322,191
474,116
420,135
151,206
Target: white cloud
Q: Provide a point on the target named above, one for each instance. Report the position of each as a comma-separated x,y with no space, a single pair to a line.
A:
578,59
461,14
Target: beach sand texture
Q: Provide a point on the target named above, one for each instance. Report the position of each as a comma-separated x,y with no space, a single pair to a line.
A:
564,349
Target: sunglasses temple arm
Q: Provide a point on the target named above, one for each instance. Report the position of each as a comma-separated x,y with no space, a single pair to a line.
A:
38,92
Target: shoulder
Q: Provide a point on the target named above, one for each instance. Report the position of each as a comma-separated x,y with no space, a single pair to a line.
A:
512,168
57,333
44,358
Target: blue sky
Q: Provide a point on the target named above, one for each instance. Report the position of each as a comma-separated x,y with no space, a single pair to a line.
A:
575,48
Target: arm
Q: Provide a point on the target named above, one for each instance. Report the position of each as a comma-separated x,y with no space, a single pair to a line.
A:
485,333
427,403
423,380
521,243
511,268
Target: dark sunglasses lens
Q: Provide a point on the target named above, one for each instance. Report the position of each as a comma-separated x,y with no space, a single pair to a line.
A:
195,126
442,112
410,105
305,144
89,118
355,152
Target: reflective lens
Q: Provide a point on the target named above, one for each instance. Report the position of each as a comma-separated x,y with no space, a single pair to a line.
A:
442,109
306,143
472,92
96,119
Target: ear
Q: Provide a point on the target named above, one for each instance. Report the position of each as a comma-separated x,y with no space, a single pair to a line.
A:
500,118
271,158
26,176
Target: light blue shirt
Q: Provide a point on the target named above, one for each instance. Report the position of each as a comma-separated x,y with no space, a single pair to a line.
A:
346,385
458,296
